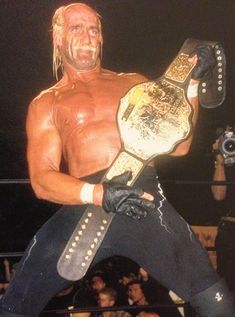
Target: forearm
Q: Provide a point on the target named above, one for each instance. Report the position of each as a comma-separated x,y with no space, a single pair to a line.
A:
61,188
219,191
7,271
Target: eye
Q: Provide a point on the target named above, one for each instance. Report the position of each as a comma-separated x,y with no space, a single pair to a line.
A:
94,31
76,28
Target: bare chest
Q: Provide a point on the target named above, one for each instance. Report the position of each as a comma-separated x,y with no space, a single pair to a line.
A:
82,105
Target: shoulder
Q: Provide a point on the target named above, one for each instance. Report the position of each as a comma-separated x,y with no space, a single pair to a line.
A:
44,98
134,78
44,101
41,107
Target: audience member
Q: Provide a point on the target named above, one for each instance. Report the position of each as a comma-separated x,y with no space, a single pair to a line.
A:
225,239
136,292
108,298
87,293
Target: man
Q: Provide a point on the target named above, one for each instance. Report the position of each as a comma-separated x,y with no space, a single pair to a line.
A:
137,295
76,120
107,298
224,242
97,282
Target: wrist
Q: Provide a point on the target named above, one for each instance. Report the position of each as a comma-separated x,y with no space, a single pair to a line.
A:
98,194
87,193
218,164
192,91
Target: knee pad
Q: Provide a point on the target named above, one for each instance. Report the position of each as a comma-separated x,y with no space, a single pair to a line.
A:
215,301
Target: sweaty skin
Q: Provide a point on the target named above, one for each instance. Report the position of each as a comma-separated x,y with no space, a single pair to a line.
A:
76,118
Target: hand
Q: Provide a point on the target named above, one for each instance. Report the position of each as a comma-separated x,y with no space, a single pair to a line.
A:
219,159
6,262
122,199
206,61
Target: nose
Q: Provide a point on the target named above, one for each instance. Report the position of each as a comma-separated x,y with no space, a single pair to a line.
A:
86,37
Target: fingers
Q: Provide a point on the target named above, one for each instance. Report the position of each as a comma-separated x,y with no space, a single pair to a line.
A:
147,196
146,204
193,59
136,213
142,203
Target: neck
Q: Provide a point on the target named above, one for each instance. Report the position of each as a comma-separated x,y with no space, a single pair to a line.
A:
72,75
107,314
141,301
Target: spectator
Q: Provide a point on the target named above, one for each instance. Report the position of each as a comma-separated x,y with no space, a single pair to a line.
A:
225,239
87,294
155,292
136,293
107,298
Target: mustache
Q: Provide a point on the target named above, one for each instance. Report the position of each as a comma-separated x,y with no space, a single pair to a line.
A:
87,48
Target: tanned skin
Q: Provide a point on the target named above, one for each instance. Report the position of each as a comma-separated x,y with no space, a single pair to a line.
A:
76,118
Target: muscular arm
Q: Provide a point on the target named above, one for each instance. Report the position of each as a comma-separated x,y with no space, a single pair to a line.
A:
44,153
44,157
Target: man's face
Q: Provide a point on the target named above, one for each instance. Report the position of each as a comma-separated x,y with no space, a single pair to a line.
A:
97,283
81,38
135,292
105,301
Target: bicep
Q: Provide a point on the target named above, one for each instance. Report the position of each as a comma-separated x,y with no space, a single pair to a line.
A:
43,142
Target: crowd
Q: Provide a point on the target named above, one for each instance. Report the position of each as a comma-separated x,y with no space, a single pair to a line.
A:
116,281
120,282
7,271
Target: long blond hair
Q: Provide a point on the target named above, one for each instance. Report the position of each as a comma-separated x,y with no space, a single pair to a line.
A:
57,28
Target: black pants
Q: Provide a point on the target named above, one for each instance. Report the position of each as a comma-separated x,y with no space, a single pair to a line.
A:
162,243
225,250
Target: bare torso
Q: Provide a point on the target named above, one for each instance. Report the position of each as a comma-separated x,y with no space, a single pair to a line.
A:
76,119
84,113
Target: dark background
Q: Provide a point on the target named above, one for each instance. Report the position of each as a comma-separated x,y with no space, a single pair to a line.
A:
139,36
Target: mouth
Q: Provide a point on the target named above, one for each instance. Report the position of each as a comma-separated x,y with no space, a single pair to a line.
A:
86,49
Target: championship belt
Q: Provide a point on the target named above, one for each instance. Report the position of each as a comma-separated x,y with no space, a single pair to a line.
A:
153,117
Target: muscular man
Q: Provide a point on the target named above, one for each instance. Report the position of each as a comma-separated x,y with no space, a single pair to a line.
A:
76,120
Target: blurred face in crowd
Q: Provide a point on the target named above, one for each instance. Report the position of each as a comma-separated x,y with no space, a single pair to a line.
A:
97,283
105,300
135,293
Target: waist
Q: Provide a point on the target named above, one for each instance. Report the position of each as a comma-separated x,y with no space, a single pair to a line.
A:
148,175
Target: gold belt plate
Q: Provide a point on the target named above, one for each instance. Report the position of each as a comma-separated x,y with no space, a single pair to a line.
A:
153,118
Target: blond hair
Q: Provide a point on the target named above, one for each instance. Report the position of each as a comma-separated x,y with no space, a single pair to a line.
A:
57,28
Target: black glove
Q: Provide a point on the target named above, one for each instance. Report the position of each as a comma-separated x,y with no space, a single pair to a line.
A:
206,61
122,199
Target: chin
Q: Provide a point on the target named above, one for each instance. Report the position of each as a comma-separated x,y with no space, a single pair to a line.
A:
86,66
